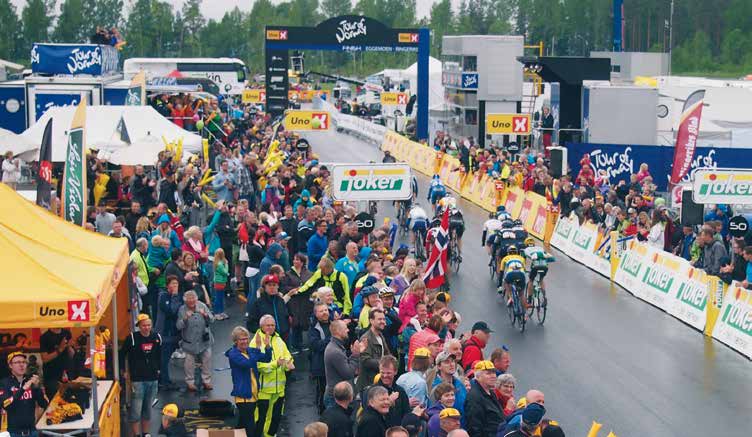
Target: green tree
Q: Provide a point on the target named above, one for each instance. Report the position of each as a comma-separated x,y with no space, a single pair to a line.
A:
150,30
335,8
71,23
105,13
190,28
36,19
442,23
734,48
9,37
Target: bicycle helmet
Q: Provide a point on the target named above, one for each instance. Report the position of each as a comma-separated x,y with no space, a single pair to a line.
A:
436,222
386,292
512,250
518,222
507,224
500,209
529,242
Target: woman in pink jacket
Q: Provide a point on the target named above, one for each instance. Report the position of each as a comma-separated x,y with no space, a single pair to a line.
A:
414,294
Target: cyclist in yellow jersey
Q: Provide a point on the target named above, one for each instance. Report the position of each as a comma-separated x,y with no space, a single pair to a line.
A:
512,267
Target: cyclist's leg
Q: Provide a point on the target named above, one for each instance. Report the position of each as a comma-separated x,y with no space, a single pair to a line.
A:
531,279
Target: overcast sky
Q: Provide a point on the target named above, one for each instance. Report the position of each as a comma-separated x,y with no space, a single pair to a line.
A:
217,8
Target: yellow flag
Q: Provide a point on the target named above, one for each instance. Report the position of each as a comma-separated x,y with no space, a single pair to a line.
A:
594,429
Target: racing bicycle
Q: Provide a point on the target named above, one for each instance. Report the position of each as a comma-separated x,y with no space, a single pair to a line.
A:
402,217
455,258
539,303
516,311
420,247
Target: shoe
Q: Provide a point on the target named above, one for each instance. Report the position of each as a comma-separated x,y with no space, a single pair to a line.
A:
208,387
225,316
192,388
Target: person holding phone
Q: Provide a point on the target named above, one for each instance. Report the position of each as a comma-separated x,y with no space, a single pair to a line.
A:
20,394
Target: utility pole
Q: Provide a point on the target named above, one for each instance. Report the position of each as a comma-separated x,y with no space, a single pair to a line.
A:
670,37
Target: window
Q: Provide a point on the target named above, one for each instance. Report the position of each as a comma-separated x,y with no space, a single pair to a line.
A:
616,68
470,63
471,117
201,66
240,69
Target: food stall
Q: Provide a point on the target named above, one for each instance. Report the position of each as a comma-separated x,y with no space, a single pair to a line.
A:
59,275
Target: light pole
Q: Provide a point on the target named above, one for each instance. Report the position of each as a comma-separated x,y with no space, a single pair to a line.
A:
670,36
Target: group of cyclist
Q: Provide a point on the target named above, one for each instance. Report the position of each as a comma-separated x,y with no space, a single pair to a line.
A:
514,257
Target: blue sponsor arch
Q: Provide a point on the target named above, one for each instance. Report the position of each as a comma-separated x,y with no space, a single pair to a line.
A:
348,33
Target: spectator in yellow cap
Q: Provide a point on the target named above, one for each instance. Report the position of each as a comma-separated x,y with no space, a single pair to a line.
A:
142,351
172,425
449,420
482,410
414,381
20,395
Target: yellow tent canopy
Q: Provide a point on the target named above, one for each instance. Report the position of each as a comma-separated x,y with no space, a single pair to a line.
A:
56,274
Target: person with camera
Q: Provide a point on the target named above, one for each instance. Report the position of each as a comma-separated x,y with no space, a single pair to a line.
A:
142,350
194,319
57,355
20,394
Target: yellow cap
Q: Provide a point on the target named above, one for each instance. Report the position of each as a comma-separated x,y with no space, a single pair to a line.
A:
422,352
449,412
141,317
14,355
484,365
170,410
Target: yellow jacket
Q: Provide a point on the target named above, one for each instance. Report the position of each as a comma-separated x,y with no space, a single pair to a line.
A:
272,376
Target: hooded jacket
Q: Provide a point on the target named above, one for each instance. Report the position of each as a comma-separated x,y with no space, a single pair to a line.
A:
272,376
270,259
244,370
305,200
317,246
472,352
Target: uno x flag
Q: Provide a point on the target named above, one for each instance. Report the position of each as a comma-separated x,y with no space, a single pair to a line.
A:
44,179
686,136
436,268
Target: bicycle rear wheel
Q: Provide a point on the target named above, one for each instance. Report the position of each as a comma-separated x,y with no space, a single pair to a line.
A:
492,268
419,246
541,305
520,315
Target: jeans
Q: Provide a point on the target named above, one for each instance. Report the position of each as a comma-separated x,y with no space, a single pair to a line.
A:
329,400
18,434
254,282
143,396
218,301
168,347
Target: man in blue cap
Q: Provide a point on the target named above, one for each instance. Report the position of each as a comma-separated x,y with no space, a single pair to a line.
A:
532,416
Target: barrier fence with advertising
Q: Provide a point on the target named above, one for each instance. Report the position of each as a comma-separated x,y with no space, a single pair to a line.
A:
662,279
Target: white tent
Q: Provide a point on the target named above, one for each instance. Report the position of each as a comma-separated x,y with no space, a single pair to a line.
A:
144,126
12,142
435,87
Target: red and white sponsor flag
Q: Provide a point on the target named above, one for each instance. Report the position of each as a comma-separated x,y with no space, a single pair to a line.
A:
435,274
686,137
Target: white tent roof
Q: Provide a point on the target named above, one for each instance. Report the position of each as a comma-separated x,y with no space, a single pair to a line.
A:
12,142
435,87
145,127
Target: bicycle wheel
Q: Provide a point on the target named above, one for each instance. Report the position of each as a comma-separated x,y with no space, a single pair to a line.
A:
510,308
541,304
419,246
520,314
455,260
492,268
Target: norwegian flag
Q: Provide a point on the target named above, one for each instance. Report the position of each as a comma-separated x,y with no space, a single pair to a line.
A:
435,274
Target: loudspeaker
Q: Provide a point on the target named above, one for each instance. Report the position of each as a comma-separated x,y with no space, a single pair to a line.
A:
558,161
691,213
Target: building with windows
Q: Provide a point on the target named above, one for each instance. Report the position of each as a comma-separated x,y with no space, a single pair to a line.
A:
481,75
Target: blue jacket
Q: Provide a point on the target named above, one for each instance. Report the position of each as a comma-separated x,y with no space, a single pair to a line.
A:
317,246
349,268
211,239
687,247
242,367
724,219
363,255
270,259
167,315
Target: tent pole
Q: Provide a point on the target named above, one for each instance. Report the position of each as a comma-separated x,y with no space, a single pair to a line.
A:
115,360
94,400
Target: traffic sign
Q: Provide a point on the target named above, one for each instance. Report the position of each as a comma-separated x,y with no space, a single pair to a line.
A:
515,124
738,226
307,120
365,222
254,96
394,99
357,182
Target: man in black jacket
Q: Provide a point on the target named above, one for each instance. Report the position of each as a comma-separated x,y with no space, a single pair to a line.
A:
142,189
318,337
227,235
372,422
482,410
20,395
143,351
290,226
270,302
400,403
167,189
339,417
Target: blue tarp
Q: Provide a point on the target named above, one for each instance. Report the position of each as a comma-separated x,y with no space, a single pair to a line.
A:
93,59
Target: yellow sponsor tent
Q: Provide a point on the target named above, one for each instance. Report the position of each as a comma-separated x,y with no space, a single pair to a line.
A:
55,274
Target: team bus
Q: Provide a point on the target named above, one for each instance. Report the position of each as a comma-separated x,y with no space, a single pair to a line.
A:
229,74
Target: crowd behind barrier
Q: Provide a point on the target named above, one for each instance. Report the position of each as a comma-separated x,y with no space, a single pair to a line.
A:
626,255
357,126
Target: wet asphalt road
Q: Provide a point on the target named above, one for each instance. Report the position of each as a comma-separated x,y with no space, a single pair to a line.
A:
602,355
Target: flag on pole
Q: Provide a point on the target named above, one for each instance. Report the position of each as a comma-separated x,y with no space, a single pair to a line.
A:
44,179
73,198
435,274
137,90
686,137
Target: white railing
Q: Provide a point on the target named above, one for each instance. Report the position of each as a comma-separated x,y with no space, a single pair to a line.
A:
351,124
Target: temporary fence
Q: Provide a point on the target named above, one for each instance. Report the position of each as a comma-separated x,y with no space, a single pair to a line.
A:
364,129
662,279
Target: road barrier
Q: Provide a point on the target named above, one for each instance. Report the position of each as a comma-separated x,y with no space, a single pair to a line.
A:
662,279
352,125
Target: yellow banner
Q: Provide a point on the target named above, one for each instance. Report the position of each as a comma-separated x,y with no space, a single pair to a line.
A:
307,120
254,96
109,417
515,124
394,98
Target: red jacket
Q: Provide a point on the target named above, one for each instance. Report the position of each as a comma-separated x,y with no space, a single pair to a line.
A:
472,352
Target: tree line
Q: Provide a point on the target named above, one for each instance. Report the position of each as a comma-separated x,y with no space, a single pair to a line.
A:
709,38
